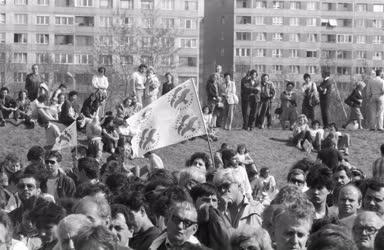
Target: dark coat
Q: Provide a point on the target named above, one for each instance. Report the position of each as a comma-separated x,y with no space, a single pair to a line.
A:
252,91
325,88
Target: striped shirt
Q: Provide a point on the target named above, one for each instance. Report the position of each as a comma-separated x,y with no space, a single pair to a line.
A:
378,168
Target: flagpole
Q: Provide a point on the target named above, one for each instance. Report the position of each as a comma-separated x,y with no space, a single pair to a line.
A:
205,127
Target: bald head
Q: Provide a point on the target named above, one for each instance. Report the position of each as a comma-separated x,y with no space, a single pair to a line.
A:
365,228
96,209
349,201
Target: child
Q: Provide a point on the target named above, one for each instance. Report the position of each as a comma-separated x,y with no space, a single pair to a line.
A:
207,117
299,129
243,155
288,105
109,135
355,101
268,186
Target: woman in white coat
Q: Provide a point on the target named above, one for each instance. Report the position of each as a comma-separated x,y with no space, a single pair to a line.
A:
231,98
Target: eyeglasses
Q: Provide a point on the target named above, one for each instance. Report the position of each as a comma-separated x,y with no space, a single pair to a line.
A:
29,186
186,223
368,230
50,162
296,181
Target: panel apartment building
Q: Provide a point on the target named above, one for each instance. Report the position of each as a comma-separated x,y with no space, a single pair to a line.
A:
289,38
59,35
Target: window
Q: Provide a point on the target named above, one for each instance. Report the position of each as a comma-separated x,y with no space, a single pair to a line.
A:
83,59
84,40
147,4
105,21
360,39
311,5
361,54
106,3
311,21
64,20
169,22
146,59
189,24
343,54
166,60
42,38
361,7
105,59
260,4
311,53
243,3
294,5
187,61
294,37
63,39
294,21
277,53
312,38
260,52
43,2
87,21
243,52
190,5
21,18
294,69
2,18
2,37
293,53
188,43
19,77
42,58
278,4
377,55
20,57
21,2
277,69
360,23
243,19
259,20
260,68
378,8
243,36
106,40
168,4
261,36
344,38
222,52
126,4
343,70
83,3
63,58
377,40
311,69
148,23
20,38
42,20
377,23
277,20
277,36
360,70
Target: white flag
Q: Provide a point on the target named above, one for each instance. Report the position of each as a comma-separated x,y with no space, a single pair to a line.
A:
174,117
67,138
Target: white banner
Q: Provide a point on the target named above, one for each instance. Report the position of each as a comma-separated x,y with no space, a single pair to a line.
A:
67,138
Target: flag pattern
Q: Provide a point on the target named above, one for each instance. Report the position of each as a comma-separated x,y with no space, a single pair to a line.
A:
67,138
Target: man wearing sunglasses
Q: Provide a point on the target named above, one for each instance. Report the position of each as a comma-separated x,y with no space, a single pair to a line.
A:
58,184
365,228
181,226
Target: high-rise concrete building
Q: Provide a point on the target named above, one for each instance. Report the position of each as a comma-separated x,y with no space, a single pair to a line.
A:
289,38
59,35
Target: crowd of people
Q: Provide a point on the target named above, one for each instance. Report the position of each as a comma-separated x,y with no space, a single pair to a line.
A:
226,202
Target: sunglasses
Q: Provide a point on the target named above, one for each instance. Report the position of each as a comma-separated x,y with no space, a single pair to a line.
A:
186,223
50,162
26,185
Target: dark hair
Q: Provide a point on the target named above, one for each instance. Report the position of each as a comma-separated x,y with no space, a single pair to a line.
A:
294,172
4,88
306,75
82,150
207,107
315,122
253,71
35,153
107,120
73,93
142,66
132,200
27,176
101,70
203,189
326,73
169,197
331,237
227,74
62,86
90,166
115,182
320,177
224,146
163,175
227,154
306,164
53,154
45,213
20,93
333,125
240,146
382,149
345,168
117,208
374,184
263,171
290,83
378,72
198,155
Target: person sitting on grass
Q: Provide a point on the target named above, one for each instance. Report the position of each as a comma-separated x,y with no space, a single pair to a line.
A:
299,129
52,132
207,117
343,140
7,106
23,111
109,135
243,155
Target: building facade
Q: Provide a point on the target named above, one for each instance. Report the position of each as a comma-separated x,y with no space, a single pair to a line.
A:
289,38
60,36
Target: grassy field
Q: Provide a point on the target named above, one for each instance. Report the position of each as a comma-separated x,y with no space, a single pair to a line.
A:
267,147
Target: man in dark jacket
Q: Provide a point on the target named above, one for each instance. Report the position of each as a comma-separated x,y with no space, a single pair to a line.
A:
68,114
32,83
325,89
252,94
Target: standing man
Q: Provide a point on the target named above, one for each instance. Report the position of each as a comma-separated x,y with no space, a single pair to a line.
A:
138,83
375,93
32,83
267,93
244,99
325,89
252,94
